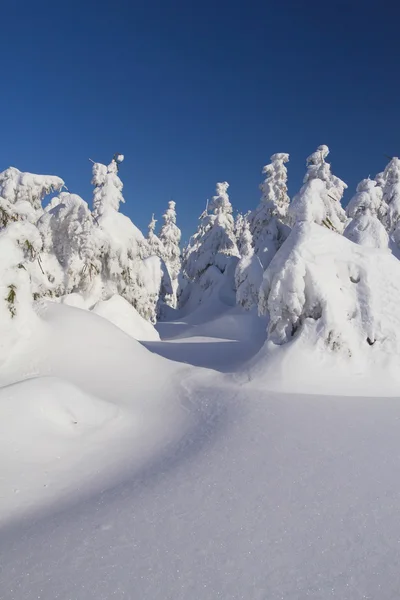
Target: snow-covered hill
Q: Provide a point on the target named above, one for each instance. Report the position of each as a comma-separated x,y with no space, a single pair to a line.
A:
128,475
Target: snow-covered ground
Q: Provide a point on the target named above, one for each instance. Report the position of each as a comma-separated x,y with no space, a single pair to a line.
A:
127,475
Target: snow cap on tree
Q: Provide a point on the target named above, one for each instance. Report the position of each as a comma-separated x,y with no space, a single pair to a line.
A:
107,194
248,273
274,187
170,237
367,200
217,242
154,246
319,199
220,203
365,209
152,225
391,193
21,194
71,235
269,222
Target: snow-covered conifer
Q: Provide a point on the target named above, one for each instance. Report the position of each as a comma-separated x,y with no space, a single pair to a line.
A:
248,273
108,187
154,245
319,198
126,267
195,241
19,244
240,224
269,222
391,194
170,237
218,243
72,237
21,194
364,210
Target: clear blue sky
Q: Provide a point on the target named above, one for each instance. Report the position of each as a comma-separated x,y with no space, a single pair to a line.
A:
197,92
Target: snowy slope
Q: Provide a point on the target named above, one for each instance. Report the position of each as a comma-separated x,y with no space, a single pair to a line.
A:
167,481
122,314
90,398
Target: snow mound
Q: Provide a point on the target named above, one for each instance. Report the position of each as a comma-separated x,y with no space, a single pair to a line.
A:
334,304
79,396
40,406
49,429
122,314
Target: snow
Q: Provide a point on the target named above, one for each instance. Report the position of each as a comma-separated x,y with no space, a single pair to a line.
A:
247,446
77,420
125,316
334,315
193,483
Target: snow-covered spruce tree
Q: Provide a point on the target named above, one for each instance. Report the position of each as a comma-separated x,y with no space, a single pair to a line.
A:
107,193
217,242
248,273
195,240
73,240
185,278
364,210
269,222
319,199
125,269
154,248
19,244
391,194
210,252
240,223
154,244
21,195
170,237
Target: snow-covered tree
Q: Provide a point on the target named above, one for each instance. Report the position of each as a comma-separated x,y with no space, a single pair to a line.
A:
108,187
19,282
155,248
217,242
195,240
248,273
154,245
269,222
21,194
71,236
170,237
125,268
391,194
240,224
319,198
364,210
210,252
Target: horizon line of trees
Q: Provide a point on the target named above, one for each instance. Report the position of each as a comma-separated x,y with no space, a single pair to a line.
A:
67,248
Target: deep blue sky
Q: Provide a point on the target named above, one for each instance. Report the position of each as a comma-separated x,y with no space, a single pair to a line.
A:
197,92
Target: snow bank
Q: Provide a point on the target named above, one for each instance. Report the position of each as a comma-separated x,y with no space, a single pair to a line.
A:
334,313
118,311
78,397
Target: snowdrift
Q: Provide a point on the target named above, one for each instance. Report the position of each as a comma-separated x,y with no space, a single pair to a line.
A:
334,314
118,311
77,397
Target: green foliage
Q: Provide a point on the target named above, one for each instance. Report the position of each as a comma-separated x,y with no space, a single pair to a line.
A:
11,300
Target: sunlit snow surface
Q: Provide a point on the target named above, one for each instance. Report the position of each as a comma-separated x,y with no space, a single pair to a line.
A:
127,475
